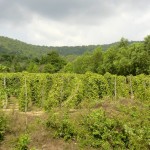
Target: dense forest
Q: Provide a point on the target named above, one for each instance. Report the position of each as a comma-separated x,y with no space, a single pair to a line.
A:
11,46
121,58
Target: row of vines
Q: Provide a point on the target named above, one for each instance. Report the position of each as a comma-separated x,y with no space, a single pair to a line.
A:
69,90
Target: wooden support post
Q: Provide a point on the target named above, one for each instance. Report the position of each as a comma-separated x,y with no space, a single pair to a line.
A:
5,102
26,96
26,102
42,96
115,87
131,90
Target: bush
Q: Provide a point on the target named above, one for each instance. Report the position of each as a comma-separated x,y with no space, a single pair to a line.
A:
3,126
97,130
23,142
62,125
101,131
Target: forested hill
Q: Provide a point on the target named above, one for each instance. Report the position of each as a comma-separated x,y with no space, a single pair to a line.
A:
11,46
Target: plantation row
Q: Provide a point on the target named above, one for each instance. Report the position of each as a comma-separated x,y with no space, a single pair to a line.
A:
69,90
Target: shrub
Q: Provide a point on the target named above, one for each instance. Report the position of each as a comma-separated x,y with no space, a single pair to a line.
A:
101,131
23,142
3,126
62,125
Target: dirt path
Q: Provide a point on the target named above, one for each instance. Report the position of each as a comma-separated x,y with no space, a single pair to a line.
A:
29,113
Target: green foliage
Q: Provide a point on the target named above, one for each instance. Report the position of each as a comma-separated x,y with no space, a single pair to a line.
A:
61,125
34,90
11,46
3,125
124,58
87,62
102,131
12,62
49,68
81,64
97,60
70,90
96,129
147,44
123,89
123,42
32,68
141,87
40,86
76,93
52,62
25,93
136,126
4,68
114,133
23,142
95,86
121,58
68,68
66,91
117,85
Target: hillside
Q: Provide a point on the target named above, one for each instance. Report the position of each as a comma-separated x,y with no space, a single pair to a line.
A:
12,46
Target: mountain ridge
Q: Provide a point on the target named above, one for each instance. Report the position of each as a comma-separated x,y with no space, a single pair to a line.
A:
14,46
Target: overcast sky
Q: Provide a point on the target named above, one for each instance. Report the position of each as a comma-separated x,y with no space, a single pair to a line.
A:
74,22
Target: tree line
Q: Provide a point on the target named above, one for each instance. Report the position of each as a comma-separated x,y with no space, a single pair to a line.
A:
121,58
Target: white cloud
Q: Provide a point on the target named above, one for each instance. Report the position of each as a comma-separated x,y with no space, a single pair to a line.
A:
80,22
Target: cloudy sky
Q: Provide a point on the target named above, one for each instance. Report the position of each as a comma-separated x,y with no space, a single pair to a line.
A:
74,22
